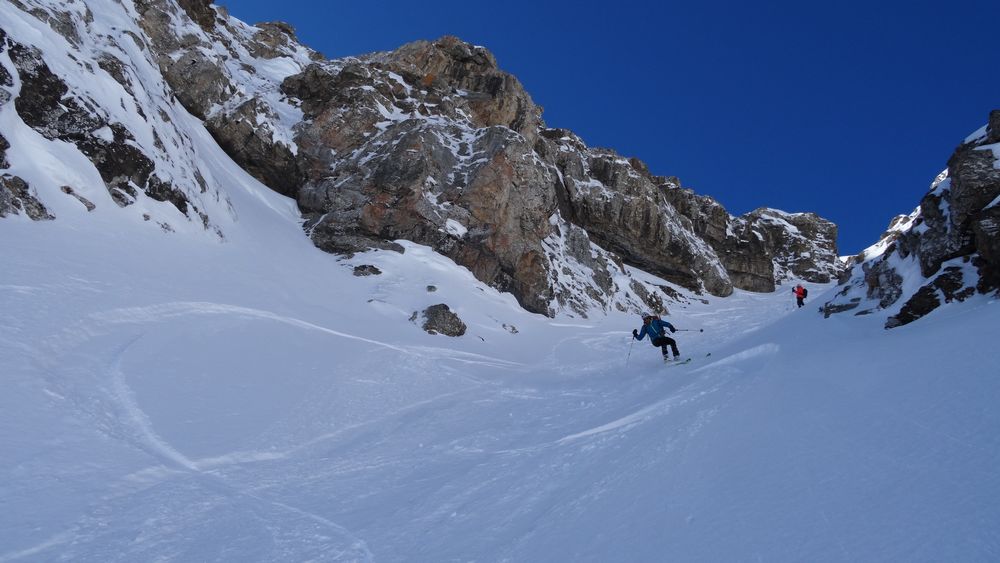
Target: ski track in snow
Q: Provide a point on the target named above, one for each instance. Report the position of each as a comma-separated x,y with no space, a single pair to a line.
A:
137,429
659,408
174,397
140,432
149,441
450,453
139,421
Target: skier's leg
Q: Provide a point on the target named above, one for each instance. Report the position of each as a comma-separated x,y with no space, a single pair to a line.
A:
662,342
673,346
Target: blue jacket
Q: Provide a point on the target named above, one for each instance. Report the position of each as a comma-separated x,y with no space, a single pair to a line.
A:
655,329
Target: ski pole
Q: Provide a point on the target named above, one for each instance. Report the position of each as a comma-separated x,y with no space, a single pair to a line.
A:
629,352
690,330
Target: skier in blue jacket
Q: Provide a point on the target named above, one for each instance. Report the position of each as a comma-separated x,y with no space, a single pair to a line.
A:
656,328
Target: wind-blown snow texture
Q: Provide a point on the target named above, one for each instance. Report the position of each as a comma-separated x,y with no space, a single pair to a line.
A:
266,404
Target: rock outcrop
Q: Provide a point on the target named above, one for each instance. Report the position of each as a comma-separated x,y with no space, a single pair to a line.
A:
764,247
96,94
440,319
219,73
432,142
16,197
949,243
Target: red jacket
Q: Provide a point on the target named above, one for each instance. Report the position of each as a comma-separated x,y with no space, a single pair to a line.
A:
799,292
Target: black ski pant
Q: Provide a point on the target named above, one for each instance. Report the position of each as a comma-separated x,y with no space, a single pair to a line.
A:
663,342
801,300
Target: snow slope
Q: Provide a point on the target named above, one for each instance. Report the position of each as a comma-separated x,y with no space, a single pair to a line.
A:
172,397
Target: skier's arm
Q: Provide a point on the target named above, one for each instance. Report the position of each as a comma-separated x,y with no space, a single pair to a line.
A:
642,334
670,326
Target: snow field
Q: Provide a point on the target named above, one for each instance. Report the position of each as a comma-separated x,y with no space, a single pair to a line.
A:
246,401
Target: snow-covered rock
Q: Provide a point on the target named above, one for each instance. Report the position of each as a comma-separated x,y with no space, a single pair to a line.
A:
440,319
169,397
431,143
946,250
765,247
85,113
434,143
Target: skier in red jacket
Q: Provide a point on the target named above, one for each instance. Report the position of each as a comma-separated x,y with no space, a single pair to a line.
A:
800,294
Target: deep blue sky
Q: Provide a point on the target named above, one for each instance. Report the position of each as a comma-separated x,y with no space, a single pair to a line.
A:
847,109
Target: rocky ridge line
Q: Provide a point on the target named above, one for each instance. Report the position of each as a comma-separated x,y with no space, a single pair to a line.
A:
949,247
434,143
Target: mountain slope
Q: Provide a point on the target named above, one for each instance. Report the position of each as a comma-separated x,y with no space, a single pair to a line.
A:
431,143
226,391
946,250
291,412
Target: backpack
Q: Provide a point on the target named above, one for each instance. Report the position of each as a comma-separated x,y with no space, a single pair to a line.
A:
805,293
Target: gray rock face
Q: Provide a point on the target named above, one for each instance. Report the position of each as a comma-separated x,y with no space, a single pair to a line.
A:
803,245
99,105
741,253
6,81
238,134
453,172
884,283
43,104
366,270
986,232
440,319
950,284
766,246
4,145
432,143
957,222
993,128
200,11
224,89
16,196
624,209
196,76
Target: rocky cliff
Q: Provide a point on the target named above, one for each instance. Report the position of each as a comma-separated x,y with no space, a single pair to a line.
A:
432,142
948,249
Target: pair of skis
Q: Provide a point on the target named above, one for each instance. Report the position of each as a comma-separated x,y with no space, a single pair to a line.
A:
685,361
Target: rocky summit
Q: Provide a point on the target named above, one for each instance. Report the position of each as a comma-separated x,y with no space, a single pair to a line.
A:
432,142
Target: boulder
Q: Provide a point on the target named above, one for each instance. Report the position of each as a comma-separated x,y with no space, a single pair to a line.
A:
440,319
366,270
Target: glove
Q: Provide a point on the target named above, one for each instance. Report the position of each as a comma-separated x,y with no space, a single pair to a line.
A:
672,329
635,333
